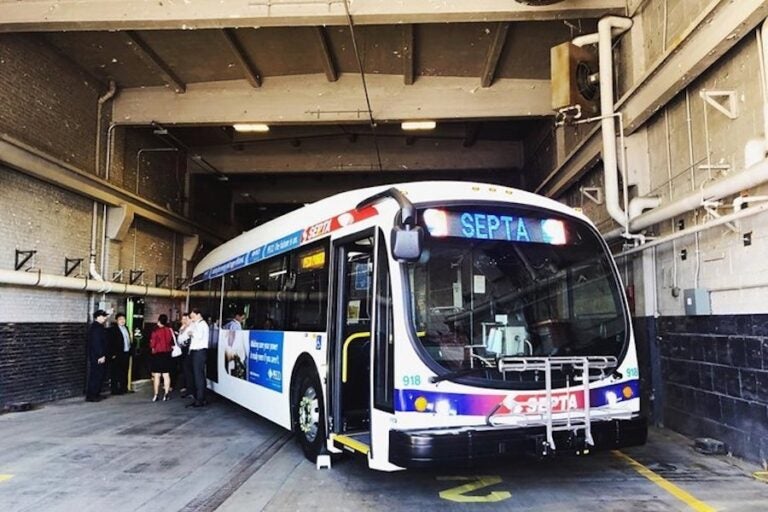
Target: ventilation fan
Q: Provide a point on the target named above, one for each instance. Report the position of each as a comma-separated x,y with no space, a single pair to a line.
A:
574,78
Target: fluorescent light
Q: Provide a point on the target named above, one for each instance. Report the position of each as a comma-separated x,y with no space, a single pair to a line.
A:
418,125
251,127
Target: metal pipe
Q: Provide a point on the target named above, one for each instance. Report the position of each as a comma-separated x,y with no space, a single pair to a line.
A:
730,185
607,28
731,217
99,105
38,279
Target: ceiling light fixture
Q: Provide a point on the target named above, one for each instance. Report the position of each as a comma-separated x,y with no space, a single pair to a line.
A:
251,127
418,125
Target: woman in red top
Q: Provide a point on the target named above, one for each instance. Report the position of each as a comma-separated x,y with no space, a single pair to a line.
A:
161,342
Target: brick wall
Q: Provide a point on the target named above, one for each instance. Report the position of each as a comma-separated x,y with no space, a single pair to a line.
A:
38,216
47,102
41,361
715,379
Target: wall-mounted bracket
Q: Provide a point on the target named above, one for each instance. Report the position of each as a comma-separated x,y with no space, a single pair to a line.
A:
71,264
711,208
135,276
181,282
117,276
723,168
22,257
160,279
594,194
723,101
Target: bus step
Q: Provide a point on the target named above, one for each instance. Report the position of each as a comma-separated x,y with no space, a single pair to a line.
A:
359,442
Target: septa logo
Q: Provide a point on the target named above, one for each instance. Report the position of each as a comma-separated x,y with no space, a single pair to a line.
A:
319,229
538,404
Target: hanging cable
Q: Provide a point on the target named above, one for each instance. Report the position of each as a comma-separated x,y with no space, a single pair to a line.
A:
365,86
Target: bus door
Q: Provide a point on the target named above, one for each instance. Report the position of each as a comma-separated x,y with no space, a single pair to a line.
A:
350,390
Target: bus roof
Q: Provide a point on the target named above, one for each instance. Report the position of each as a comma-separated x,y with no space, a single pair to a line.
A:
289,224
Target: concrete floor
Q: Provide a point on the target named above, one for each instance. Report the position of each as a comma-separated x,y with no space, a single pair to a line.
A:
127,453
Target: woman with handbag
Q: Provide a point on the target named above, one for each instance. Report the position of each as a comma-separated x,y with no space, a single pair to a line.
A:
161,343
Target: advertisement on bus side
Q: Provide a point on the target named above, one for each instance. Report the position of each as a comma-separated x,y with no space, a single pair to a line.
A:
265,359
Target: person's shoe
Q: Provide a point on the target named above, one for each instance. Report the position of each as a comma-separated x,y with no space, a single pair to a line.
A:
92,399
198,404
166,397
154,398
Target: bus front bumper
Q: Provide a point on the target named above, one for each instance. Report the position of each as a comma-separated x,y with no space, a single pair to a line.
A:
463,446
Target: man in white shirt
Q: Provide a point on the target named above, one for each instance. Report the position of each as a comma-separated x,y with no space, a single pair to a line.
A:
198,350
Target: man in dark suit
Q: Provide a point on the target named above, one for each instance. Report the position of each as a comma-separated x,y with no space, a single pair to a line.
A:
119,354
96,348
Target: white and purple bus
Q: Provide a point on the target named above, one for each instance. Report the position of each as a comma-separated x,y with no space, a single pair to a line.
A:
426,323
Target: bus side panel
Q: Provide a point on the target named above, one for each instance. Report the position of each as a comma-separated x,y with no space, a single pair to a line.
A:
263,384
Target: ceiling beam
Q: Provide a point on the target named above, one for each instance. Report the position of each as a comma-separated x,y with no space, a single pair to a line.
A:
325,55
312,99
409,65
39,165
72,15
335,154
494,54
274,190
153,61
249,70
715,31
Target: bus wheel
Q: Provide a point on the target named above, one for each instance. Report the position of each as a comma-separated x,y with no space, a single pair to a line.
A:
309,414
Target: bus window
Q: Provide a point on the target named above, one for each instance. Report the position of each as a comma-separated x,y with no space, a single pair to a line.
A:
502,282
309,301
384,341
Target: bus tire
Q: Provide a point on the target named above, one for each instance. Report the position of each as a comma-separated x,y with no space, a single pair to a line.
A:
309,413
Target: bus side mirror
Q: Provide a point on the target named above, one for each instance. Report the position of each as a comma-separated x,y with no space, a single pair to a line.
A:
407,243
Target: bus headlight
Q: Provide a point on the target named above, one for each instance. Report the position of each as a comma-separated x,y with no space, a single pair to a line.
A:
611,398
443,408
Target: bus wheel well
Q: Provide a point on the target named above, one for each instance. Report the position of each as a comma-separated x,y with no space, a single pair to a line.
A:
308,408
304,362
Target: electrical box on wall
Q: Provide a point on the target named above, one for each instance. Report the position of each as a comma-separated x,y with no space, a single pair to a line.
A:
696,302
574,78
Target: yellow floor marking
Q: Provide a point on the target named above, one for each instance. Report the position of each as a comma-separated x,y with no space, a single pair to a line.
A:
3,478
458,493
677,492
761,475
352,443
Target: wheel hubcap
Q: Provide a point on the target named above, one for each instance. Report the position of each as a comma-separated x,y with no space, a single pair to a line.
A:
309,414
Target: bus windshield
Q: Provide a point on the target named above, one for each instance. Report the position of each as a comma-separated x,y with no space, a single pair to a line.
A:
511,282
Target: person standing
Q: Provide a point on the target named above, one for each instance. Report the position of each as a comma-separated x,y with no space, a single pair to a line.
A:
236,324
161,344
96,349
186,360
198,350
120,353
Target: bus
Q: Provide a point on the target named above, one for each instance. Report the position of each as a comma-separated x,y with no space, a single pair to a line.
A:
426,323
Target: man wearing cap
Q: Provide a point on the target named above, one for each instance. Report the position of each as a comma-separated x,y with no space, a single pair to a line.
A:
96,348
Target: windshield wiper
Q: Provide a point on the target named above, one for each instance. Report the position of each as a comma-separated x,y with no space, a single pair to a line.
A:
460,373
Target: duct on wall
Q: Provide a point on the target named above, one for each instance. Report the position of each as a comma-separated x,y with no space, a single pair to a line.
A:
38,279
608,28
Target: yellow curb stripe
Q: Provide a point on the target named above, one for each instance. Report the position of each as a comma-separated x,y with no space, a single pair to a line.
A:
3,478
677,492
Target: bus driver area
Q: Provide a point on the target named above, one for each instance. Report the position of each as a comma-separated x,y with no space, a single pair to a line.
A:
127,456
